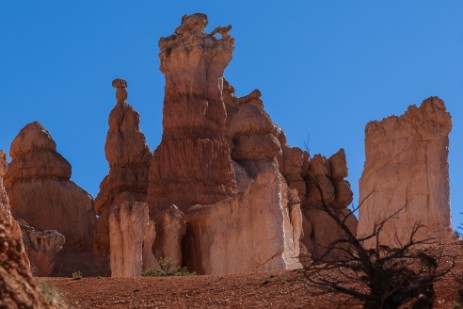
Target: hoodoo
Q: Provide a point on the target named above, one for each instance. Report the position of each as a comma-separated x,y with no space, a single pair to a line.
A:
129,158
406,171
40,192
192,164
225,168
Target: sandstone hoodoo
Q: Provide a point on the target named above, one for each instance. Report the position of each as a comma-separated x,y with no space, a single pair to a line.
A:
40,192
17,289
406,169
225,167
129,158
192,164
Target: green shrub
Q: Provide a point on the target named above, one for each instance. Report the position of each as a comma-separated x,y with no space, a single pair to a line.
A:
77,275
167,269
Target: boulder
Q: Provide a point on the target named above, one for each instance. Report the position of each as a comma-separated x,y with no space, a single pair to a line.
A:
40,192
406,171
41,248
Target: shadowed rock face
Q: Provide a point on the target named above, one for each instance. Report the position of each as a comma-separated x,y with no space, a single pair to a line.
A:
41,248
192,164
406,167
17,289
40,192
129,158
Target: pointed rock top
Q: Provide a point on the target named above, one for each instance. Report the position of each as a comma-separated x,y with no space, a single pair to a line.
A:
32,137
119,83
121,92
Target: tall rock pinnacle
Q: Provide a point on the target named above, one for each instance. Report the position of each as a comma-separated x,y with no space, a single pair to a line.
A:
128,157
192,165
406,169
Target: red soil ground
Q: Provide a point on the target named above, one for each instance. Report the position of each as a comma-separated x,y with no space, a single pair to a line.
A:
259,290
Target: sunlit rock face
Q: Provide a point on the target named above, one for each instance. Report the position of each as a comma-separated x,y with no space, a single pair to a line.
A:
226,167
40,192
17,289
253,231
192,165
128,223
406,169
129,157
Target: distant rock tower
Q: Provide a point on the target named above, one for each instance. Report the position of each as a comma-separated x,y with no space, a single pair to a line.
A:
129,158
406,168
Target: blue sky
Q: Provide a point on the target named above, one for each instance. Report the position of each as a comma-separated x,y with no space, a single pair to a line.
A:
325,69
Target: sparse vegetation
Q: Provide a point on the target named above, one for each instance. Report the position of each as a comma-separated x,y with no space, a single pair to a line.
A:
379,276
167,269
77,275
53,297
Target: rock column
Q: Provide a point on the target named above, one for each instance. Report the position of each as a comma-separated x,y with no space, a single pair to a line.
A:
192,164
406,171
128,157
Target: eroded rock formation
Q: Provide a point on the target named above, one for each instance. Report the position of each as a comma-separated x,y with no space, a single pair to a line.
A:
250,232
227,167
17,290
192,164
254,138
326,187
170,229
40,192
128,157
222,170
41,248
128,224
406,168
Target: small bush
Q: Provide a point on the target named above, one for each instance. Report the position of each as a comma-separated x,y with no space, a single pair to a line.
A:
77,275
167,269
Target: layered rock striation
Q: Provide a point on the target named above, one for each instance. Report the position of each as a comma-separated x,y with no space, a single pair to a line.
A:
225,192
312,182
192,164
129,158
17,289
406,171
40,192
